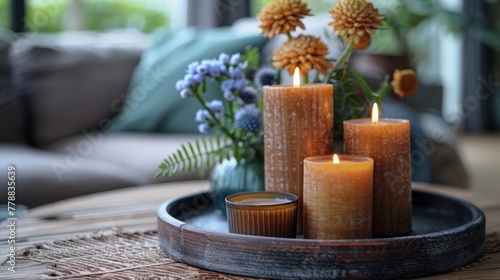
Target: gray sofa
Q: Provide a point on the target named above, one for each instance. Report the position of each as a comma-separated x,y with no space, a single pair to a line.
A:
56,94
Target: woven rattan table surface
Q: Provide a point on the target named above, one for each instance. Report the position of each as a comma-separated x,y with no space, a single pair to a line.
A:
112,235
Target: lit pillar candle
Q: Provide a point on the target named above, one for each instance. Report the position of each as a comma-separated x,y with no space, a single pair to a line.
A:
338,197
298,122
387,141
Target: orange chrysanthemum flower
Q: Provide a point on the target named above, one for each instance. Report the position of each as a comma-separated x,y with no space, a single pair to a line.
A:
355,19
306,52
405,82
282,16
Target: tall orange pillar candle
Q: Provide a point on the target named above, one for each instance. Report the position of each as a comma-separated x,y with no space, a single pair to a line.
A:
298,122
338,196
387,141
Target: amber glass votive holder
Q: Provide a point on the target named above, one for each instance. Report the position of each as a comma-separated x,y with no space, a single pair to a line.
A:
262,213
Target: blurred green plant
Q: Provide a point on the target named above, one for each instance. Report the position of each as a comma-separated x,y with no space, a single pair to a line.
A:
110,14
48,16
409,18
317,6
45,16
4,13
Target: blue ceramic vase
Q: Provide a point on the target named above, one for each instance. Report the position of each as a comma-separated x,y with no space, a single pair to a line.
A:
231,177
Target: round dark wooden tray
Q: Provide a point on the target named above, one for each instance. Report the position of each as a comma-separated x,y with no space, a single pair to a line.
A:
446,234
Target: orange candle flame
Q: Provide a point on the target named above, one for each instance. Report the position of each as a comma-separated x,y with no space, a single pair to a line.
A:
375,114
336,159
296,77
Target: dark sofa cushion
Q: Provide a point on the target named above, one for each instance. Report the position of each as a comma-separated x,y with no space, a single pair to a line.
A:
12,105
73,81
152,102
43,177
5,43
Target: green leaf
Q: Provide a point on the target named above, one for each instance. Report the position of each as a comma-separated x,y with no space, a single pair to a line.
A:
209,161
252,56
188,157
195,159
366,88
198,148
200,154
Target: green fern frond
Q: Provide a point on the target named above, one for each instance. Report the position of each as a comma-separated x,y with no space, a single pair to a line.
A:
200,154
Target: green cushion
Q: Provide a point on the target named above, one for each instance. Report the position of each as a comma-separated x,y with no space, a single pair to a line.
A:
152,103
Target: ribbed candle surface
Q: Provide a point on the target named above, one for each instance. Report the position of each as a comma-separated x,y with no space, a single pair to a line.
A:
298,122
338,197
388,143
262,213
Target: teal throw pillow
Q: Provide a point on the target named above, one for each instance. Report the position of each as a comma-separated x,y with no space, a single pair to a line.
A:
152,103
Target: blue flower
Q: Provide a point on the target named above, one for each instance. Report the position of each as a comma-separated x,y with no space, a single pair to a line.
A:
189,80
201,115
265,77
235,59
198,78
215,69
248,95
235,73
227,85
239,84
180,85
192,67
203,128
185,93
223,68
228,95
224,58
202,69
247,118
215,106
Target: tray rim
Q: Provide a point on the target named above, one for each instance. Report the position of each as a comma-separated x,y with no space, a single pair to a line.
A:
477,214
476,224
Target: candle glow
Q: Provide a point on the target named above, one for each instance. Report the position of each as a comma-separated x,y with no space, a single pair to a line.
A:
296,77
375,113
336,159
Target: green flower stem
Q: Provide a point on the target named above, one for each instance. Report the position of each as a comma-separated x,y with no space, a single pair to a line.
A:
231,109
216,121
316,78
343,59
306,79
278,74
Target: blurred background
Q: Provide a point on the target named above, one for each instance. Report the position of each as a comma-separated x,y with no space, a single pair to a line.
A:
454,45
445,40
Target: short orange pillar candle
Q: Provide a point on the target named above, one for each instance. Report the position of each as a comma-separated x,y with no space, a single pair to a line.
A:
387,141
338,197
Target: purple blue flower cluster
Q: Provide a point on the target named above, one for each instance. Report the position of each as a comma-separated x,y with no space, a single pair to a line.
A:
229,71
203,116
247,118
248,95
265,76
215,106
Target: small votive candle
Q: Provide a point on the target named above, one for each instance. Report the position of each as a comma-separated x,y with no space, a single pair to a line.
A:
262,213
338,195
